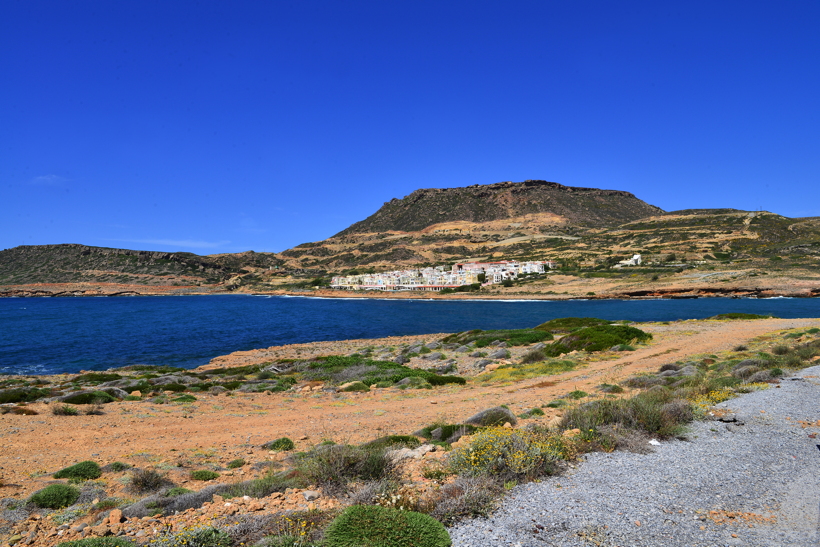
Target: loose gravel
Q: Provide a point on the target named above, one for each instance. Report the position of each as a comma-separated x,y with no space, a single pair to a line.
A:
753,482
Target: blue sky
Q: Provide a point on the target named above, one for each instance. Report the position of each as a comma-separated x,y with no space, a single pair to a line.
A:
227,126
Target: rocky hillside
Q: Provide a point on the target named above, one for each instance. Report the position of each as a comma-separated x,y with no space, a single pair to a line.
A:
73,263
483,203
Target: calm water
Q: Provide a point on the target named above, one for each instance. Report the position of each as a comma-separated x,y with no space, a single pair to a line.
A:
50,335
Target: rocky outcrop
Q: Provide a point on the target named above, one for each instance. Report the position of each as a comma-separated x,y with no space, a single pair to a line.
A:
482,203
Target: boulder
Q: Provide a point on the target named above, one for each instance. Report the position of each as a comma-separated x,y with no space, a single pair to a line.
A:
492,416
450,347
216,390
502,344
499,354
401,359
433,345
539,345
481,363
311,495
477,354
461,349
435,356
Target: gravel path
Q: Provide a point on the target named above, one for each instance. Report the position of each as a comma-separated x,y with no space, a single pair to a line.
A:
755,482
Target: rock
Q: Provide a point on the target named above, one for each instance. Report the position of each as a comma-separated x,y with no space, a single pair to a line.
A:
689,370
354,386
136,393
414,349
502,345
450,347
407,453
491,367
492,416
13,540
495,343
499,354
115,516
311,495
80,527
762,376
481,363
433,345
436,434
461,349
539,345
445,369
403,381
401,359
435,356
477,354
669,373
216,390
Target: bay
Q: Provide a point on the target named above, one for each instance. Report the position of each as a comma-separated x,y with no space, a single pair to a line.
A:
66,335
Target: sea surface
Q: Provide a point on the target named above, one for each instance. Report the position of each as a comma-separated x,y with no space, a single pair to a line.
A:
55,335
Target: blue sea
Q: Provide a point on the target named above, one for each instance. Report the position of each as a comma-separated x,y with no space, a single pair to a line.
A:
54,335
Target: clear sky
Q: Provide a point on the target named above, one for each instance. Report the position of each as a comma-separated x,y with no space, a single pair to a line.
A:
227,126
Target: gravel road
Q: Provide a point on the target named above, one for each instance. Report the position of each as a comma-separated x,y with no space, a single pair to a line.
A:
755,482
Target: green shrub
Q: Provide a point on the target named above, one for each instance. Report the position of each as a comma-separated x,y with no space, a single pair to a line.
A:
94,397
355,386
55,496
282,444
569,324
118,467
596,339
558,403
644,412
204,475
132,398
98,542
184,399
96,378
239,462
610,388
448,431
177,491
531,412
730,316
577,394
393,441
86,470
513,337
376,526
64,410
23,395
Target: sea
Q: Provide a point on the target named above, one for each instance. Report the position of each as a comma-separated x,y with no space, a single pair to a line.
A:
66,335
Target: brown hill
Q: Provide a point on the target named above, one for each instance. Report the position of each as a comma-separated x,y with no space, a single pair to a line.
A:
483,203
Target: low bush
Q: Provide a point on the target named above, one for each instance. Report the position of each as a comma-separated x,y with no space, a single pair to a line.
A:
282,444
449,433
18,411
89,398
55,496
645,412
342,369
96,378
118,467
781,349
531,413
466,497
177,491
86,470
508,454
377,526
731,316
234,464
23,395
204,475
98,542
577,394
184,399
147,480
610,388
597,339
64,410
196,537
393,441
333,467
569,324
513,337
355,386
533,356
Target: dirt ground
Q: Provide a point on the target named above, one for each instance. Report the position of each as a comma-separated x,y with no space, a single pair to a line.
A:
218,429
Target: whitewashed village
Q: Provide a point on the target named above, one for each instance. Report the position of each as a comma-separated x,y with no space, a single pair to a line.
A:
439,278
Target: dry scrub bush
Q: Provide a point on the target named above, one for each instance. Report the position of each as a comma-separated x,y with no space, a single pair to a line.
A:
466,497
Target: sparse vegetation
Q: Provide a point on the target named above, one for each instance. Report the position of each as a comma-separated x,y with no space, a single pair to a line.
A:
64,410
147,480
281,444
235,464
597,339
